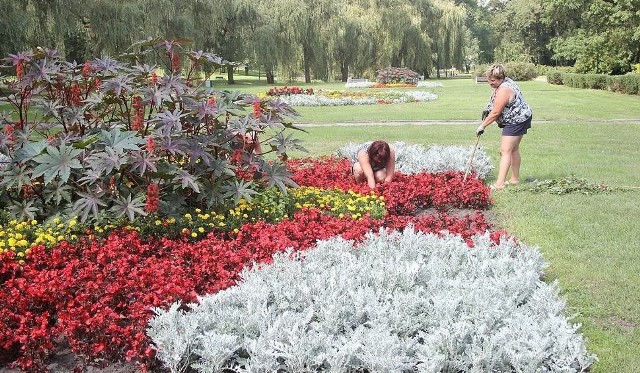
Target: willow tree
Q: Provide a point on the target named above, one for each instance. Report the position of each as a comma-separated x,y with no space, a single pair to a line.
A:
15,22
347,37
448,30
269,40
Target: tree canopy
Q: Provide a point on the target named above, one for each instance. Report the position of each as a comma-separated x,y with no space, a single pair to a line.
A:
337,39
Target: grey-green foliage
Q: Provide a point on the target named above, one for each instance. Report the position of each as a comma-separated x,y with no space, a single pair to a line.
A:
415,158
397,302
88,140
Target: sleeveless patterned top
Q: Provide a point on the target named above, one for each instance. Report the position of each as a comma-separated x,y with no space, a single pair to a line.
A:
516,111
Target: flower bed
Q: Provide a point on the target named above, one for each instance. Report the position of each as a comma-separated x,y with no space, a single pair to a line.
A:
97,294
296,96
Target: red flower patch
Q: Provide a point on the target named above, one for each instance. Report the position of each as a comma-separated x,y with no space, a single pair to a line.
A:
97,295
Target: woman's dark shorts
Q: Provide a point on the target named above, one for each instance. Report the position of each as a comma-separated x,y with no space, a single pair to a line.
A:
516,129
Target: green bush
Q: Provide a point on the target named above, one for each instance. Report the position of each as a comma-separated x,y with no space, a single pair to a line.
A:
596,81
521,70
514,70
574,80
554,77
628,84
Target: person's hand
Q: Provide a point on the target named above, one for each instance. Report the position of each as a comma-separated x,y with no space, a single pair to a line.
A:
480,130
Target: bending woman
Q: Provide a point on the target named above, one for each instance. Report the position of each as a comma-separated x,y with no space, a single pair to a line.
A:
374,163
508,108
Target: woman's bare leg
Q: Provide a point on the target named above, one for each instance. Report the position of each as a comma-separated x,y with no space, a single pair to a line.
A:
509,158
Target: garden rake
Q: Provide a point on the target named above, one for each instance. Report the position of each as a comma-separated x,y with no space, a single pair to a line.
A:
473,153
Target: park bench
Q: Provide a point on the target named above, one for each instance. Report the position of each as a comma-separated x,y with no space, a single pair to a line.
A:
481,79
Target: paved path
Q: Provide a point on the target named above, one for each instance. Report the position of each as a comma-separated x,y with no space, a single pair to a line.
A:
459,122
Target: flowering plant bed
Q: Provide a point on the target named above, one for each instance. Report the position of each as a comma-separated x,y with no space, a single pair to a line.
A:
97,292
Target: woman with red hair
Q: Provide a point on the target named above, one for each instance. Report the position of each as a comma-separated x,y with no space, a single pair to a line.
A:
375,163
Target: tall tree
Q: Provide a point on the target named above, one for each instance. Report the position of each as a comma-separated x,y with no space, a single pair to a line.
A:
448,30
599,35
15,21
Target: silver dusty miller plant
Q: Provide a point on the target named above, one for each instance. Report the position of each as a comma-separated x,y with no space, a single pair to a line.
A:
397,302
415,158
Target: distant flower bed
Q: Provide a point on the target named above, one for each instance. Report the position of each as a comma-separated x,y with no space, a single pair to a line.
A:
282,91
346,98
424,83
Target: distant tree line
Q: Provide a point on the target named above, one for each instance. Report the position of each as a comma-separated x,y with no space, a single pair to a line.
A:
336,39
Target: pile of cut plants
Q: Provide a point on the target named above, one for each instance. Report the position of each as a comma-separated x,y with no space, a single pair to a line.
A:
138,226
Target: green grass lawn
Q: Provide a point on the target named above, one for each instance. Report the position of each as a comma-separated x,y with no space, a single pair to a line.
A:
591,242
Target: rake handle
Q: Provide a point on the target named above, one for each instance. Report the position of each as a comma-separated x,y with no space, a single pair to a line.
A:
473,153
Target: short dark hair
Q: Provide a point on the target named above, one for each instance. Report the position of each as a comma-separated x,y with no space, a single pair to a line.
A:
379,153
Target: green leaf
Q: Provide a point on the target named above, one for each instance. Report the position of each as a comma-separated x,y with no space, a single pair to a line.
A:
121,140
57,162
24,210
29,150
57,192
129,207
14,177
88,204
241,190
187,180
277,175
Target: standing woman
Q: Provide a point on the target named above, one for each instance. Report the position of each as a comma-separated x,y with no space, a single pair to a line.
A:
509,110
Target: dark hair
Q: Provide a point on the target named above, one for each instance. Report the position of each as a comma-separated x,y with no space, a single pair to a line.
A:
379,153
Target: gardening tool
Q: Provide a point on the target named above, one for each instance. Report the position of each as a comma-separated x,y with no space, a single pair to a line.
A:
473,153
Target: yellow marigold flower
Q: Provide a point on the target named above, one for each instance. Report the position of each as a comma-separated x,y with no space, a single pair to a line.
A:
245,216
198,211
22,243
221,224
341,215
11,241
187,216
21,262
236,230
18,236
60,238
201,230
194,234
158,222
20,254
73,237
72,223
